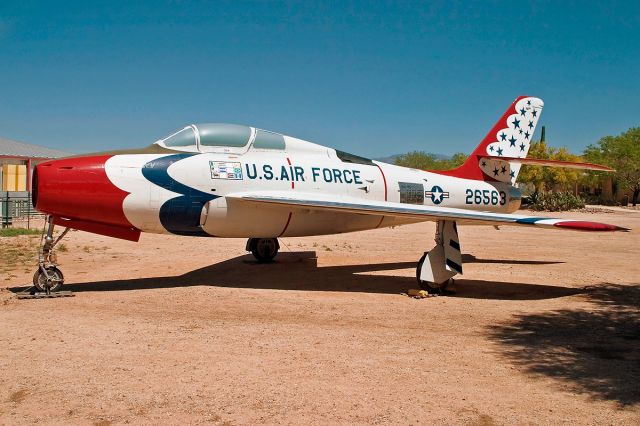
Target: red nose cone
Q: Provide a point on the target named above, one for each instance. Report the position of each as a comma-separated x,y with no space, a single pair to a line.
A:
79,189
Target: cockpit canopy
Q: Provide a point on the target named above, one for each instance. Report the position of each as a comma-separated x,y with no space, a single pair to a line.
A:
197,137
237,139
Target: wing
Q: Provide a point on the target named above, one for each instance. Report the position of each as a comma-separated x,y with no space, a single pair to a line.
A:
321,202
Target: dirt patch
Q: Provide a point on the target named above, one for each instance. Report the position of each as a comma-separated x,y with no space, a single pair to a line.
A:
18,396
541,328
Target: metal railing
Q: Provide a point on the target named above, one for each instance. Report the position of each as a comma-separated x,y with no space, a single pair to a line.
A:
16,206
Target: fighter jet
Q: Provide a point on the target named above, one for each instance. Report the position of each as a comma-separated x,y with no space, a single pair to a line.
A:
235,181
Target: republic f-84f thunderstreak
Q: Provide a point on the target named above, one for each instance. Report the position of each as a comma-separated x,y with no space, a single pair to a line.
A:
226,180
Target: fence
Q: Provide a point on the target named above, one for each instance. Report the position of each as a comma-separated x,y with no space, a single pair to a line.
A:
16,207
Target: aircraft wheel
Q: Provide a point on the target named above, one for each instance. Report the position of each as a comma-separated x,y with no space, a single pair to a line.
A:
55,282
264,249
428,285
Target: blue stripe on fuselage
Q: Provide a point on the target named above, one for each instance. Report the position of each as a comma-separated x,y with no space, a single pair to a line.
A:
179,215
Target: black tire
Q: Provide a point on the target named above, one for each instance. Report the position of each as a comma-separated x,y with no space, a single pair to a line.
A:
264,249
39,279
428,285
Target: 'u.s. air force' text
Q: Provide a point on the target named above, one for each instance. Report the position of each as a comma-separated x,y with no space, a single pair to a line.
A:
299,174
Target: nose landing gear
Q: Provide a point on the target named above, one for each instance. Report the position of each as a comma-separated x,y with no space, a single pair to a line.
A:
48,277
263,249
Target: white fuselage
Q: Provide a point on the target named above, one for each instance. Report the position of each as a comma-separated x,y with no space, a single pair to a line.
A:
302,167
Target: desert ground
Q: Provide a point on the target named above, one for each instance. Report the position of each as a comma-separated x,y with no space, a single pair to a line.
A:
543,327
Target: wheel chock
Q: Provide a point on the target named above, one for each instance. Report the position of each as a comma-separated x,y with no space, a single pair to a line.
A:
419,294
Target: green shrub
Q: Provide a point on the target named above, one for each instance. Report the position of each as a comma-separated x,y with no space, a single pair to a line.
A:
556,202
14,232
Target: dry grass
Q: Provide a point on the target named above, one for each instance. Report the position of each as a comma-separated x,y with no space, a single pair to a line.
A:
18,252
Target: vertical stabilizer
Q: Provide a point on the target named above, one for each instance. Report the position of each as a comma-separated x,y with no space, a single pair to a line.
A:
509,137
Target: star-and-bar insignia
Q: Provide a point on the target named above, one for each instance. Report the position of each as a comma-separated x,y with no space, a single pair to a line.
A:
436,194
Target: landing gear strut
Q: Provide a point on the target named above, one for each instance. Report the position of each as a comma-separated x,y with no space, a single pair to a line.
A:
436,268
263,249
48,277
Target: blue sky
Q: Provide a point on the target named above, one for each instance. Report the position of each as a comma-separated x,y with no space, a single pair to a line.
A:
373,78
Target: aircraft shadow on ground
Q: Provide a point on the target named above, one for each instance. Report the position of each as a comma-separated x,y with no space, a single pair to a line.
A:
469,258
597,351
300,271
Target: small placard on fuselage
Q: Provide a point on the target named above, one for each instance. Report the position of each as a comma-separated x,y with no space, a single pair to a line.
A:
411,193
225,170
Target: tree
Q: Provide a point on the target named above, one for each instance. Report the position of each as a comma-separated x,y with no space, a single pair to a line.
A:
621,153
457,159
424,161
564,177
536,175
547,178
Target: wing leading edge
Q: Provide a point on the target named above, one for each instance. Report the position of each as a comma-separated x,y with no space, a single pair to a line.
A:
382,208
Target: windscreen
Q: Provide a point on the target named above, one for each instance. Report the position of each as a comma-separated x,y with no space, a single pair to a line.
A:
185,137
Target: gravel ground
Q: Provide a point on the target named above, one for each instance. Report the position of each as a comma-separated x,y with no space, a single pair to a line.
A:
544,327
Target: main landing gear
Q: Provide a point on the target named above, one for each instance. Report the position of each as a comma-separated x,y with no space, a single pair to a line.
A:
263,249
48,277
436,268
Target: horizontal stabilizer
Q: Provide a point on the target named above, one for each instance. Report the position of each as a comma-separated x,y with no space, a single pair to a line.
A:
551,163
